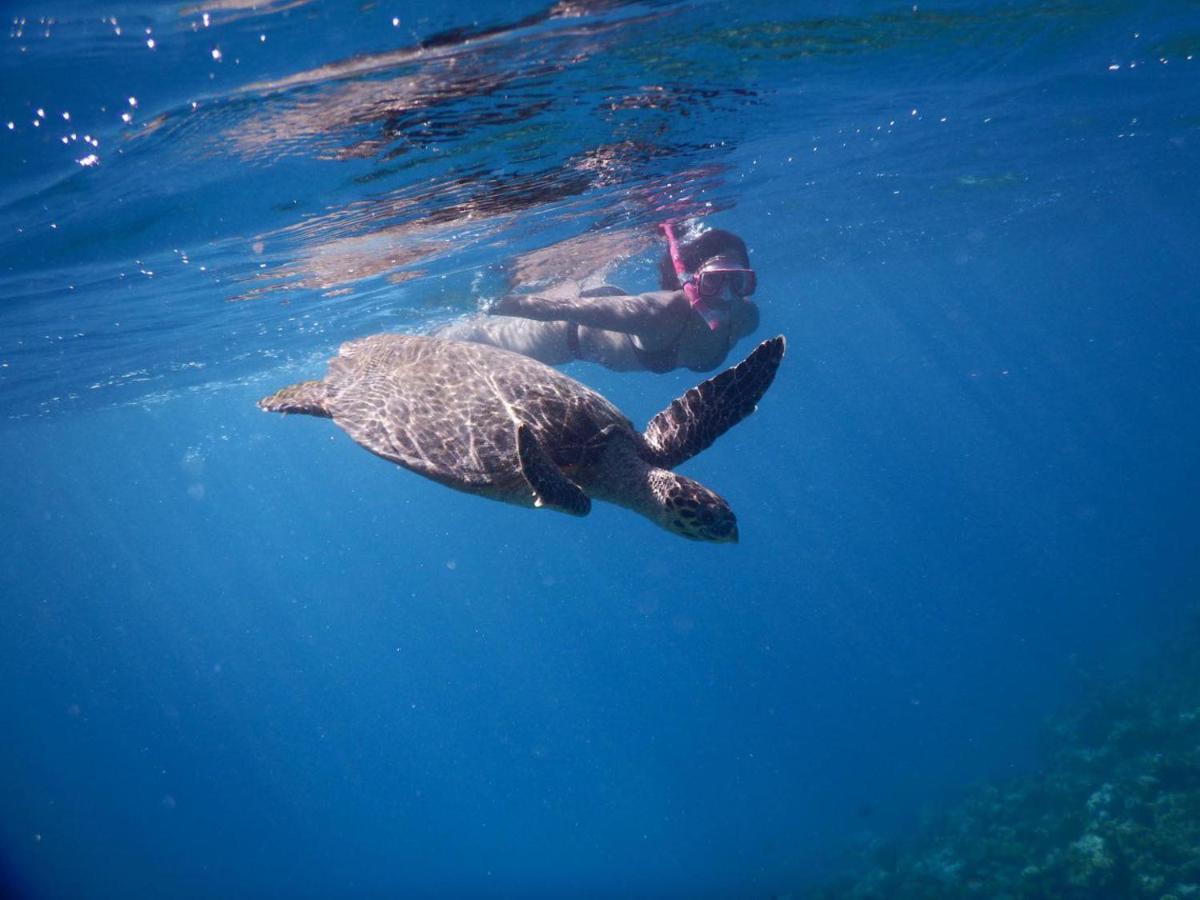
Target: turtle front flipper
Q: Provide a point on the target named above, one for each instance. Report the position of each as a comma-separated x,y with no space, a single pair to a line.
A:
549,485
308,397
692,422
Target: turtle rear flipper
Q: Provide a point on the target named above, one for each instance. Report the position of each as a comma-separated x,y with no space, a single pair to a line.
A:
692,422
308,397
550,486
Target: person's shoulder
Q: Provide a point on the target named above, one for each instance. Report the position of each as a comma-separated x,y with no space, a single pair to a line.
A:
656,304
666,296
667,300
603,290
666,314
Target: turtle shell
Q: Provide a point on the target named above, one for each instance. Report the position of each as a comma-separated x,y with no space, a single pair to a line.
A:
450,410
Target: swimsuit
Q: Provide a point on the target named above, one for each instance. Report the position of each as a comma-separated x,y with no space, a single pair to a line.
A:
573,339
657,361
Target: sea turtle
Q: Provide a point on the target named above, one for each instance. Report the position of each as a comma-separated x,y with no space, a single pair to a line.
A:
492,422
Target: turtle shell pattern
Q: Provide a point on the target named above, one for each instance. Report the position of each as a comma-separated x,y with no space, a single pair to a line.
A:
450,410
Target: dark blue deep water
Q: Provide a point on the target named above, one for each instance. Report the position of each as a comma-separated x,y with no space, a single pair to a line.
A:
240,656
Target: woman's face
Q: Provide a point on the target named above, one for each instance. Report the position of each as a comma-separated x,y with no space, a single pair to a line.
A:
725,284
726,277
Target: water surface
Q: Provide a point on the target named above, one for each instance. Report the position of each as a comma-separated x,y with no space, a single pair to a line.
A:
245,658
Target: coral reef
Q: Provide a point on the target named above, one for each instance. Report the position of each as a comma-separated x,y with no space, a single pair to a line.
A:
1114,812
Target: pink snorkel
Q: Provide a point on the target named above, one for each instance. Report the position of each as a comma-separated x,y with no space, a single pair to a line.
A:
690,289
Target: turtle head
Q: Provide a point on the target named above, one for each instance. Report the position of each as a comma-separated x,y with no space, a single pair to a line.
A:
671,501
691,510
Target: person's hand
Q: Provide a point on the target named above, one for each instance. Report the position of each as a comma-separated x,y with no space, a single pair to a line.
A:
508,305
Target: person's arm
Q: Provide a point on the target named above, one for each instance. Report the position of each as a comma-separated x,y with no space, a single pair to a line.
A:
628,313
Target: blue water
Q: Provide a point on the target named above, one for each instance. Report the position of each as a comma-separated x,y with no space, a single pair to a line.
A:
242,657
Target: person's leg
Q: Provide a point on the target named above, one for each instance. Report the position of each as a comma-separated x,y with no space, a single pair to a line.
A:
543,341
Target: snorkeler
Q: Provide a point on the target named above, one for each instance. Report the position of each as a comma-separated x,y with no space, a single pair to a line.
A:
702,310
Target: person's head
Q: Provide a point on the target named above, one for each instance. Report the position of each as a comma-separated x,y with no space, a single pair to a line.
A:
714,271
698,251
